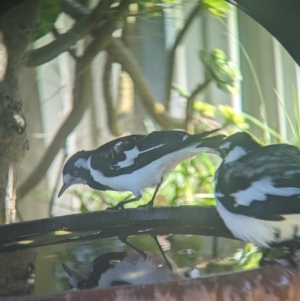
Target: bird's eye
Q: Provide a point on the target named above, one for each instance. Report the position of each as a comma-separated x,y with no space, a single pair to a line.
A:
75,173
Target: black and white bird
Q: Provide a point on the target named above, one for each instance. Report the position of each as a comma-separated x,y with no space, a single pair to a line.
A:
258,190
123,268
135,162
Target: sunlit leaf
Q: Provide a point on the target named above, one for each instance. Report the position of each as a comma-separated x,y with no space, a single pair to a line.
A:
25,242
62,232
232,117
205,109
218,8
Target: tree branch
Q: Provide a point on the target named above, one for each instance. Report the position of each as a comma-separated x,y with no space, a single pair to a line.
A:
170,65
110,110
64,41
81,100
74,9
191,99
16,28
198,220
123,56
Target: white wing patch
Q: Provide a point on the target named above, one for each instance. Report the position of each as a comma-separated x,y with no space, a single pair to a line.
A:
80,163
150,149
185,137
259,190
219,195
260,232
225,145
130,156
236,153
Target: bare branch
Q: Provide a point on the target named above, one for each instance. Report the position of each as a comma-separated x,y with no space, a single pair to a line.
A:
191,100
197,220
81,100
74,9
110,110
170,65
123,56
64,41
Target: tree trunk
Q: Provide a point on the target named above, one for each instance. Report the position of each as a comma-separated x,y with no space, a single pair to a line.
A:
16,28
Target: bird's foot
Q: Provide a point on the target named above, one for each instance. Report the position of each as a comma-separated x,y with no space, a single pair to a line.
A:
121,204
148,205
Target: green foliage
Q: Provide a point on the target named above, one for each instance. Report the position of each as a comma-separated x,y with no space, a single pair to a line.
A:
205,109
221,69
218,8
245,259
50,10
249,257
232,117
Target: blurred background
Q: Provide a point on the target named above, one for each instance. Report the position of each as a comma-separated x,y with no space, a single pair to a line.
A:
193,65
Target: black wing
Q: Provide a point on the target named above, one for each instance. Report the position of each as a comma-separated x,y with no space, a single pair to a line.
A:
126,154
264,184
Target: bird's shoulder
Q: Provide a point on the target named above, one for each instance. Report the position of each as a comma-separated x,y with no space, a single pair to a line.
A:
278,161
112,152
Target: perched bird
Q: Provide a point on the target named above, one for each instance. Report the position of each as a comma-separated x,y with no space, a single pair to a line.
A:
258,190
135,162
123,268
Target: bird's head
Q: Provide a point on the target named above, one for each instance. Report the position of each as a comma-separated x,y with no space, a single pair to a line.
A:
235,146
75,170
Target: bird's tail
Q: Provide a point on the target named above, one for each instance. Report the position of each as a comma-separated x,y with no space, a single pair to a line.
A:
209,142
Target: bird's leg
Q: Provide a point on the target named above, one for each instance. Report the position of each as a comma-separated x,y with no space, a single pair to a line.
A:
168,264
121,204
150,203
123,239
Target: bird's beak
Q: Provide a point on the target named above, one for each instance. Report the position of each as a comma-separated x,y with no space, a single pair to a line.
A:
63,189
213,143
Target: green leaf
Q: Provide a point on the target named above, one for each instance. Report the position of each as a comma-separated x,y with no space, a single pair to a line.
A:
205,109
218,8
221,69
232,117
50,10
83,208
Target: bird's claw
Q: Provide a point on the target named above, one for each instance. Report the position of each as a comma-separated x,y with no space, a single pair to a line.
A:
116,207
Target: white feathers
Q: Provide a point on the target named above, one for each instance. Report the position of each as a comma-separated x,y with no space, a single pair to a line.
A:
260,232
185,137
132,269
130,156
259,190
80,162
219,195
136,270
150,149
133,154
236,153
147,176
225,145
